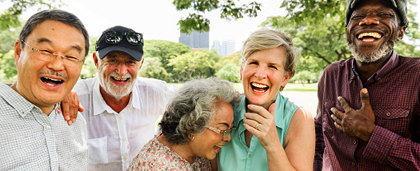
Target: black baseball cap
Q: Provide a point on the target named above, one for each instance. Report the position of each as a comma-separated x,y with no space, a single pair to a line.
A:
104,48
400,8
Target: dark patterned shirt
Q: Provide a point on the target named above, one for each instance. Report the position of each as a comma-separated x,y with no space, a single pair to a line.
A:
394,92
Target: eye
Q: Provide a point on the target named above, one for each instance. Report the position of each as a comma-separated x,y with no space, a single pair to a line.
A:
357,17
112,61
273,67
45,52
72,58
130,63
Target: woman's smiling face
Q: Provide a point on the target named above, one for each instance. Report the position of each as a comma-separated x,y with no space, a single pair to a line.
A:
263,74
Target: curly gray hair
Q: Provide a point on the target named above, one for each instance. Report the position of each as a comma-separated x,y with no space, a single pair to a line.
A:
194,107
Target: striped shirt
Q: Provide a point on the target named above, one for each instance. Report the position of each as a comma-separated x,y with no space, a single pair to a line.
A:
394,92
31,140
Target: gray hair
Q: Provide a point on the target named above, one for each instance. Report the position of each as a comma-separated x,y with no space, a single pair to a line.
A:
267,39
194,106
55,15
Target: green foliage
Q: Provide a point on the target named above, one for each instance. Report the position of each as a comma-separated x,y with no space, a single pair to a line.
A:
8,38
195,64
229,10
89,69
10,17
8,69
152,68
228,67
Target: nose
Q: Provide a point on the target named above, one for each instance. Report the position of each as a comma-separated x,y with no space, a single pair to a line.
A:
369,20
122,69
261,73
227,138
57,63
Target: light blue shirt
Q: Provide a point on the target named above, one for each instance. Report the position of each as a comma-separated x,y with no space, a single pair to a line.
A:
31,140
236,155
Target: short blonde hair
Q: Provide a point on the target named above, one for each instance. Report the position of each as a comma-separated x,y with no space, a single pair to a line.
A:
267,39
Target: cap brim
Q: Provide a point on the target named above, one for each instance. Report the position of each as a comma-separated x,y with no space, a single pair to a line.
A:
133,53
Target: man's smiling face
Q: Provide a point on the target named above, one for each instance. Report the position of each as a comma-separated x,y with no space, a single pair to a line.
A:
372,30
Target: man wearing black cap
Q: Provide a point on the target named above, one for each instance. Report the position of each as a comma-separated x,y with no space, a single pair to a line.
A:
120,108
368,113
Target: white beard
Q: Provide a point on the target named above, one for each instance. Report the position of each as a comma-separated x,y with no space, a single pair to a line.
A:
372,57
116,91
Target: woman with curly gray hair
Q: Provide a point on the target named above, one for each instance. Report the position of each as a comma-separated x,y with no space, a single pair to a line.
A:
196,124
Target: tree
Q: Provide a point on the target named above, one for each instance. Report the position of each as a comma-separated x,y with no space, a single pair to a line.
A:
10,18
229,10
195,64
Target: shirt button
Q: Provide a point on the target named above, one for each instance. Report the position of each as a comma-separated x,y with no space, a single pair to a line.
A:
353,163
250,155
125,158
47,127
119,117
124,140
388,114
354,142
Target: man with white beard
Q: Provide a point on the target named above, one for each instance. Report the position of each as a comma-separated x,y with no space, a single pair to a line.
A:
121,109
368,115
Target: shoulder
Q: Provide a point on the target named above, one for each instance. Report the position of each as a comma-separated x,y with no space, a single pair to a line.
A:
84,86
339,66
154,86
302,124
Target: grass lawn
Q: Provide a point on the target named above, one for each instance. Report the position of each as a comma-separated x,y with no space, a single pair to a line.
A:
289,87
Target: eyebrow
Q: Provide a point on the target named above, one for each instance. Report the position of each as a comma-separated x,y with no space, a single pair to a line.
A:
45,40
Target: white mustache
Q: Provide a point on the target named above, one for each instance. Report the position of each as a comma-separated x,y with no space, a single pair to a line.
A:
116,76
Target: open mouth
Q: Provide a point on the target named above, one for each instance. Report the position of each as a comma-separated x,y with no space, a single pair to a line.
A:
217,148
51,81
260,88
369,36
120,79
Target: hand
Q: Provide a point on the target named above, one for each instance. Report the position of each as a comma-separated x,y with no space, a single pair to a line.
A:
261,124
70,107
355,123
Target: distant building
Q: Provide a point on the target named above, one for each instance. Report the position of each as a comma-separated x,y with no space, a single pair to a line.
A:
196,40
224,48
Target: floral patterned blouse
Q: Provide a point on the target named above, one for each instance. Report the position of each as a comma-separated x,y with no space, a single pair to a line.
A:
156,156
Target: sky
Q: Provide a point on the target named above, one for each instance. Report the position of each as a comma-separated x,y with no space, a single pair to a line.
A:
157,19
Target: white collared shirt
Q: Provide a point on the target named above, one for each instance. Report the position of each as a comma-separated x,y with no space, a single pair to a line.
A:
116,138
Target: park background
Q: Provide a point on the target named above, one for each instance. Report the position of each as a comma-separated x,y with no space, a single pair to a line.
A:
316,26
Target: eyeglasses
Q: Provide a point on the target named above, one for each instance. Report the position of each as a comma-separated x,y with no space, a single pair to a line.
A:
49,56
223,133
114,37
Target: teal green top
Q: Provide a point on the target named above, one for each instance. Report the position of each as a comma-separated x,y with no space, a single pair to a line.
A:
235,155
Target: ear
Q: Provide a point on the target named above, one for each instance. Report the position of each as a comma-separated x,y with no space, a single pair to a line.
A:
18,51
95,59
240,71
285,79
400,34
141,63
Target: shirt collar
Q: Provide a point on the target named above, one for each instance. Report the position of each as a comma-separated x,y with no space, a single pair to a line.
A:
99,104
389,66
19,103
240,108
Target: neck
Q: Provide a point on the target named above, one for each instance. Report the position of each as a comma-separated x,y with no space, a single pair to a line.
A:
45,108
366,70
116,104
183,150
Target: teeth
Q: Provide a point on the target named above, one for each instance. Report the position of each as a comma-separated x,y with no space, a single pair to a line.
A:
258,85
52,79
120,78
49,84
370,34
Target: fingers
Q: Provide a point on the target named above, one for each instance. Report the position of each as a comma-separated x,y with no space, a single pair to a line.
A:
364,96
344,104
337,120
262,111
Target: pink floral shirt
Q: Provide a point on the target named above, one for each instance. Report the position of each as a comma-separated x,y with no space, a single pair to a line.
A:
156,156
